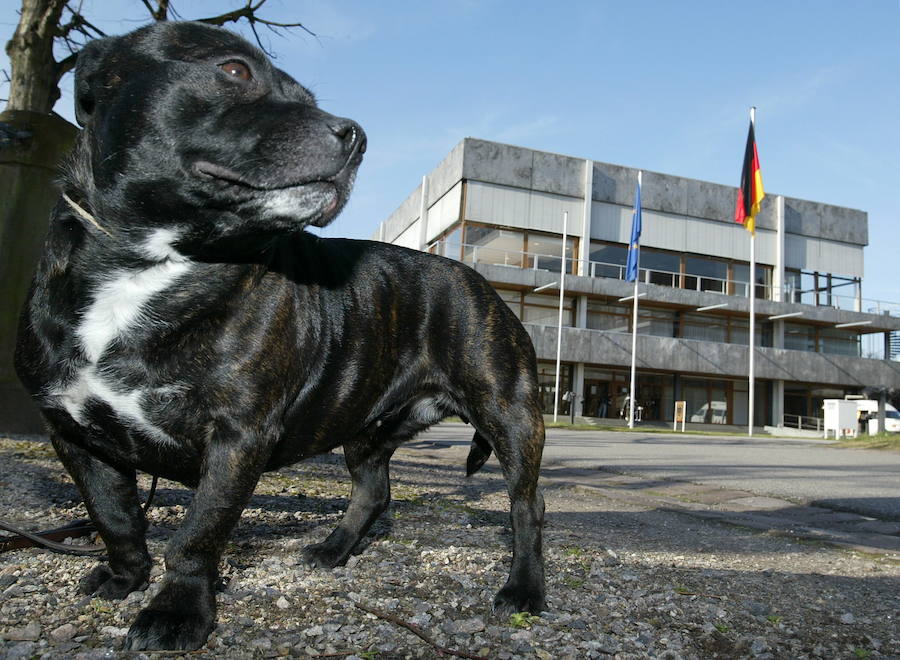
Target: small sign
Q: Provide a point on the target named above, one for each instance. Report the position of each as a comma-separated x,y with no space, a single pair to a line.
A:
680,408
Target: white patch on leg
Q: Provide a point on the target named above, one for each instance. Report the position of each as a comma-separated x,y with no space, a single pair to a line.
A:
118,305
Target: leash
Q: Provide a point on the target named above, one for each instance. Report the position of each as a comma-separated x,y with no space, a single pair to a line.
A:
51,539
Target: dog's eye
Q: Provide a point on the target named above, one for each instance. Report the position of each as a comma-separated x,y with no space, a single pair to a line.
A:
237,70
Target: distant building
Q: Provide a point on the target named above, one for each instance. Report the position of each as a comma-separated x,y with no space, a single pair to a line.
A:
499,208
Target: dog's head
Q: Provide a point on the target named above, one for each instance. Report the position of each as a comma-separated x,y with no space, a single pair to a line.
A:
190,127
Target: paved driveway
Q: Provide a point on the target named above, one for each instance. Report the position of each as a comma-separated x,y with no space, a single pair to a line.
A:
863,481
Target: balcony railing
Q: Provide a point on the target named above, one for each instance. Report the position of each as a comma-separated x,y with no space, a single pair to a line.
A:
473,254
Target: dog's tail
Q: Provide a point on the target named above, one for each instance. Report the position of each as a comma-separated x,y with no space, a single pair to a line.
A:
479,452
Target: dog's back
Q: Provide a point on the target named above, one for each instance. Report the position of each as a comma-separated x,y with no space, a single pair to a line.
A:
406,339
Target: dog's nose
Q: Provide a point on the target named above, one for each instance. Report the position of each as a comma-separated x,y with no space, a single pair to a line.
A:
351,135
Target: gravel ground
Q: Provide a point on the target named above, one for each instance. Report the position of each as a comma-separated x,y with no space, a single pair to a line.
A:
624,581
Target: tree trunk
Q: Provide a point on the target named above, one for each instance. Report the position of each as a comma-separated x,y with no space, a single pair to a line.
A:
34,83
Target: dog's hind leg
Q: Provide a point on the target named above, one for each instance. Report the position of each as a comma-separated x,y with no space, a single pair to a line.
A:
369,497
517,436
111,498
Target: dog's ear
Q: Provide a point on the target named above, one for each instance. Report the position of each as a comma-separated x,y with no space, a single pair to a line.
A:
87,68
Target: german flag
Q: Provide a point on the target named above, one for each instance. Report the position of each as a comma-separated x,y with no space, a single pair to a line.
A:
751,192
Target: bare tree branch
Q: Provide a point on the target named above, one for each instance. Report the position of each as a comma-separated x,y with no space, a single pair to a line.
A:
248,13
161,12
65,65
35,74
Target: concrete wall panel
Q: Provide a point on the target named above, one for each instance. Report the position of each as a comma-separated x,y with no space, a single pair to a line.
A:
711,359
444,212
410,236
561,175
497,163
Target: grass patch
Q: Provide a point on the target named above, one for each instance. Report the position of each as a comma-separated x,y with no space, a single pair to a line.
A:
888,441
646,429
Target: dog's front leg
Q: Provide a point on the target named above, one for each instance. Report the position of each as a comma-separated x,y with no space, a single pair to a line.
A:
110,495
182,614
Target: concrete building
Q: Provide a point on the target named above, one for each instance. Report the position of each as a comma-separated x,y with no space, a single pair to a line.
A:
501,209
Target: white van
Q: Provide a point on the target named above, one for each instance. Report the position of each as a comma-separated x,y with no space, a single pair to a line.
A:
868,409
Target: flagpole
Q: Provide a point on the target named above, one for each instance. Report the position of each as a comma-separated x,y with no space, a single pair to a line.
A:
562,289
752,377
634,322
752,374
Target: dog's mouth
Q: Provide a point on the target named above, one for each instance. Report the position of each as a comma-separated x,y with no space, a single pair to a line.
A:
208,170
316,202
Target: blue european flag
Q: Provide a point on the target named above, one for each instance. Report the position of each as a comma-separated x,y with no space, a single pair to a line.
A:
634,248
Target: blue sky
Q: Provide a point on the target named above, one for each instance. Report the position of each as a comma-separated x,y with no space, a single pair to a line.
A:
659,85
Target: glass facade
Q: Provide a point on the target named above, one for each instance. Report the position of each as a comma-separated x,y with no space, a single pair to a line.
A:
538,308
546,387
814,339
709,400
517,248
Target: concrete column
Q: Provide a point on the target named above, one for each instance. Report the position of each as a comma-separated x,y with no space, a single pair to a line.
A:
578,386
778,271
423,215
584,245
778,402
778,294
581,309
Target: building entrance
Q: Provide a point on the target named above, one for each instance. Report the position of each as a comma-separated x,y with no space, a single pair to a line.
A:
597,399
605,395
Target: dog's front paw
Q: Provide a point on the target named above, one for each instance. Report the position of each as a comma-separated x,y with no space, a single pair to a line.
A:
158,630
102,582
514,598
324,555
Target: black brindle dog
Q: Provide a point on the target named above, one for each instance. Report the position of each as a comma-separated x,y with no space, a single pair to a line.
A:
181,322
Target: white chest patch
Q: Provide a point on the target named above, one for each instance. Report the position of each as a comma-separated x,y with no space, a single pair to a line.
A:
120,304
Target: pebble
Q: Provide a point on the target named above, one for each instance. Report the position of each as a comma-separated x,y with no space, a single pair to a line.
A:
64,633
620,580
31,633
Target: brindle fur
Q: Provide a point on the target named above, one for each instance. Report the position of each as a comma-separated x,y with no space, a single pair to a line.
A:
251,344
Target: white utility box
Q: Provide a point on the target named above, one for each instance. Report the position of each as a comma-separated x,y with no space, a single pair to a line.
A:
841,418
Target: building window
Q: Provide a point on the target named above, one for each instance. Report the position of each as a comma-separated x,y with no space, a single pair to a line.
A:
704,327
546,386
656,322
834,341
545,252
740,275
707,400
519,249
611,318
800,337
807,400
664,267
739,332
513,299
703,274
839,342
494,246
608,260
544,310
